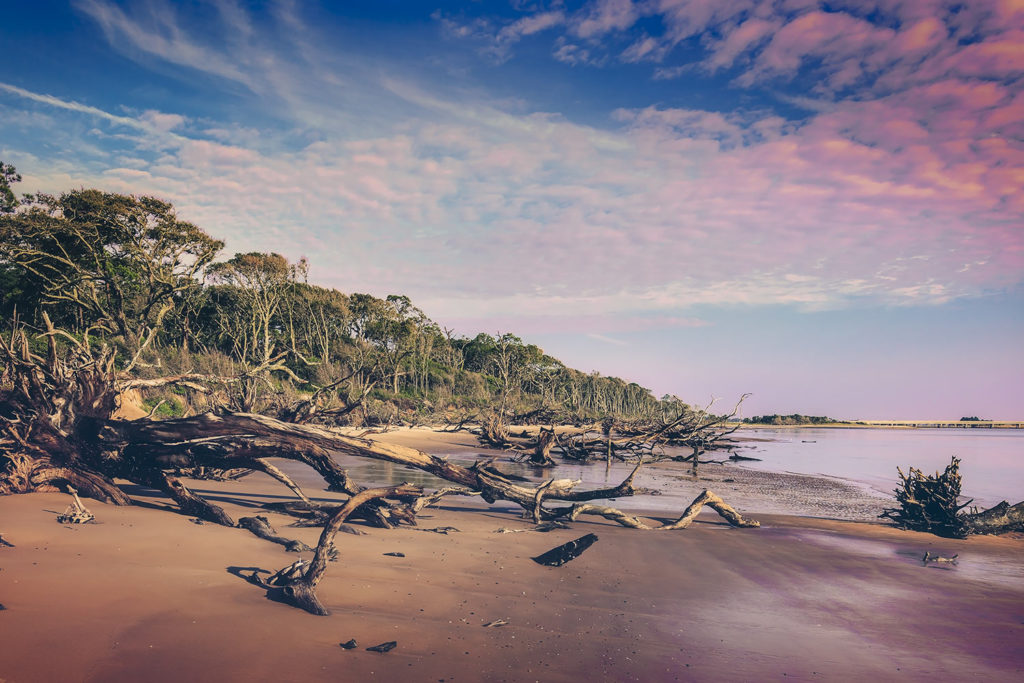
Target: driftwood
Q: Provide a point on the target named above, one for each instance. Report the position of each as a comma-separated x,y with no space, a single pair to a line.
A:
541,455
76,513
931,503
296,583
566,552
938,559
460,425
260,526
383,647
493,432
698,430
996,520
56,429
708,498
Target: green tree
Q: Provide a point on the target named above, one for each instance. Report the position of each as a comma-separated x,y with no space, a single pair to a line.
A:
252,288
107,262
8,176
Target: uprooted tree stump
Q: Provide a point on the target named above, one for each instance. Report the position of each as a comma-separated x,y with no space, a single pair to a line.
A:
930,503
541,455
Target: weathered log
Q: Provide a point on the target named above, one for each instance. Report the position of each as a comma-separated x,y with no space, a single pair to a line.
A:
931,503
59,428
296,585
998,519
566,552
268,468
260,526
736,457
938,559
705,498
383,647
140,451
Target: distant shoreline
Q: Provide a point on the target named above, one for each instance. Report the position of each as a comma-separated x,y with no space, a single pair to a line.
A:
890,424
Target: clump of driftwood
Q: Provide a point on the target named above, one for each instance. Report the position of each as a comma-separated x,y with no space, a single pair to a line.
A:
931,503
76,512
699,431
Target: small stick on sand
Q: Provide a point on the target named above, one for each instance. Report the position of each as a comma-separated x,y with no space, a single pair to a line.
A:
76,513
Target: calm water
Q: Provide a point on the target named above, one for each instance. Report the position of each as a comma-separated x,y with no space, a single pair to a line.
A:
992,467
992,460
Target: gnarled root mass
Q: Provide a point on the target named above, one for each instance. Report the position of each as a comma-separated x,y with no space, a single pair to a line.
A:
931,503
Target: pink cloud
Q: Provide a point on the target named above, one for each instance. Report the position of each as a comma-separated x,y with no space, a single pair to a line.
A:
1001,57
743,38
834,37
527,26
605,16
921,36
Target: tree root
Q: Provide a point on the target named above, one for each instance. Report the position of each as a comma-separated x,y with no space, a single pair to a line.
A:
260,526
297,585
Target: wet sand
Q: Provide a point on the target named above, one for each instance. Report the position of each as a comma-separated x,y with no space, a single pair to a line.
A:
145,594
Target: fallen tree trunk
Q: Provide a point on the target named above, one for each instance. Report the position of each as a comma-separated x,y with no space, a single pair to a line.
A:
996,520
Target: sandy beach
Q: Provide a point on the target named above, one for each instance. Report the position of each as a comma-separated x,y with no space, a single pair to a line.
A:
147,594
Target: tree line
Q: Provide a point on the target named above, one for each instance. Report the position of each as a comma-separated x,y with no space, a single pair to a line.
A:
126,271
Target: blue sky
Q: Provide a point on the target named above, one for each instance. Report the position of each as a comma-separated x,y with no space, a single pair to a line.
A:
818,204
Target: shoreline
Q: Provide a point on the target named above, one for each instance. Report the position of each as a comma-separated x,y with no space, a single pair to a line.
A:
892,424
147,594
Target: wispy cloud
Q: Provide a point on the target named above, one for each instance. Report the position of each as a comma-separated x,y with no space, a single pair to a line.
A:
151,122
608,340
152,28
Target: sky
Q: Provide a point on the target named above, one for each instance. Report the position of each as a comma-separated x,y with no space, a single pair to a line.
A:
817,204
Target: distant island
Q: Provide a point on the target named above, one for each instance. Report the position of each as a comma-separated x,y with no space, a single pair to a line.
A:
795,419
